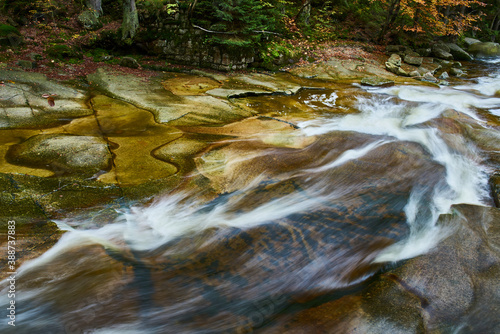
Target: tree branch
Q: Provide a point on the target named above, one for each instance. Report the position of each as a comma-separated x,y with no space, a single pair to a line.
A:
234,33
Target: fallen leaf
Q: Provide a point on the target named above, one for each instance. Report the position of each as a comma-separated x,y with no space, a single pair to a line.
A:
51,102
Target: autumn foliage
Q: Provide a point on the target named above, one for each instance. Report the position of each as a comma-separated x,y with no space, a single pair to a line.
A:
431,17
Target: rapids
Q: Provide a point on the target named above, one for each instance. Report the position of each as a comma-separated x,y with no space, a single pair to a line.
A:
289,227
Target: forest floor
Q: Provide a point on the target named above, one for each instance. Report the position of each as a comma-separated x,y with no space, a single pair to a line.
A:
38,37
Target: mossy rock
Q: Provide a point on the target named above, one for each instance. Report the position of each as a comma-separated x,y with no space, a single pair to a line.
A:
89,19
62,154
62,52
485,50
6,30
10,36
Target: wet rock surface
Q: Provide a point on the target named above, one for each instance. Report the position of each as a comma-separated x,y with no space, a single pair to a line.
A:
241,138
62,154
445,290
485,49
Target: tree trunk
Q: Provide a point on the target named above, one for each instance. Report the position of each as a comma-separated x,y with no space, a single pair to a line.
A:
130,22
95,5
304,12
391,17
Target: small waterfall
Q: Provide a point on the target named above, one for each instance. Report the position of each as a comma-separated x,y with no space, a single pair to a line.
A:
393,112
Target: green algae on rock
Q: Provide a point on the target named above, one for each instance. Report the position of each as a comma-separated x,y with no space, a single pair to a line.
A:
63,154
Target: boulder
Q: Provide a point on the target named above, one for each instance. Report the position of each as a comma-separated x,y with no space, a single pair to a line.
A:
129,62
35,56
414,74
429,77
444,76
89,19
485,50
456,72
62,52
376,82
10,36
441,51
424,52
413,60
395,60
459,53
393,65
469,41
62,154
26,64
395,48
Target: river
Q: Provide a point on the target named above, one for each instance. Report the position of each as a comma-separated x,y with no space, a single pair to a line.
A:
354,191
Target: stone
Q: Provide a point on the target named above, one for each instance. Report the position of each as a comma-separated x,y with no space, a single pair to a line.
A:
26,64
156,96
454,283
89,19
456,72
459,53
129,62
10,36
429,77
414,74
469,41
413,60
485,50
442,51
393,64
62,154
395,60
402,72
377,82
424,52
444,76
395,48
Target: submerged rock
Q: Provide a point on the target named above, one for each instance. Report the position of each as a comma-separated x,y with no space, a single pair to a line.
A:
167,107
453,287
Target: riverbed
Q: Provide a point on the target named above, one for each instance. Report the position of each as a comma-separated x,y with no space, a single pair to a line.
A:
208,203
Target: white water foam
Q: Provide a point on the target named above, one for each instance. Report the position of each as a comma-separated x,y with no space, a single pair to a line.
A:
466,180
325,100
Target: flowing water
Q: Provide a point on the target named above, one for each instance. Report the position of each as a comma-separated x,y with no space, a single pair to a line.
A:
291,227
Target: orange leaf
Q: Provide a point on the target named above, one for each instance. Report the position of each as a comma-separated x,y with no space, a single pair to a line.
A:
51,102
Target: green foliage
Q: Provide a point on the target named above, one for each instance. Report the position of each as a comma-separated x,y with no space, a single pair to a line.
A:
276,52
239,23
97,54
239,16
167,7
